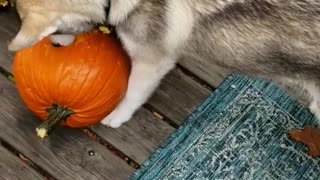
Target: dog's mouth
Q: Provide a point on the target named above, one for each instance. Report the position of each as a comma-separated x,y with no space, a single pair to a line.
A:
57,32
56,45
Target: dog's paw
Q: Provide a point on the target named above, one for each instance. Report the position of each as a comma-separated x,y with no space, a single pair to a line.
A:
111,123
115,119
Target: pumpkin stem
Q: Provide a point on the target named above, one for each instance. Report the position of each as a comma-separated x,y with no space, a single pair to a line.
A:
6,73
56,115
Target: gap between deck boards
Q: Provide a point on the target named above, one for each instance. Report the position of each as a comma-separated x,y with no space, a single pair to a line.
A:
26,160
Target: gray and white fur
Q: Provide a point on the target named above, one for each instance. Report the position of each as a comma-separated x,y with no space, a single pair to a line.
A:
276,39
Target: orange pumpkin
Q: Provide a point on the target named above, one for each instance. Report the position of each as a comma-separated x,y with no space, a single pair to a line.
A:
80,83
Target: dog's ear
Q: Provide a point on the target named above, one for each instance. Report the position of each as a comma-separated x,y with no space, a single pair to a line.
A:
34,28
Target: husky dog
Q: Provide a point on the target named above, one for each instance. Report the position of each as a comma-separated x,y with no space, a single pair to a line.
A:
276,39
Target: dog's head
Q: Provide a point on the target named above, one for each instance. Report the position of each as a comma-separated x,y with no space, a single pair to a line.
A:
41,18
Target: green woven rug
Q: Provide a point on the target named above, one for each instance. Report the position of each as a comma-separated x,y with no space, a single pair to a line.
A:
239,132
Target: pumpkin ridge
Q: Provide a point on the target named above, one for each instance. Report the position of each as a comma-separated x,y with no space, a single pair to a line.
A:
42,82
95,110
105,90
35,78
80,91
46,66
62,76
107,101
30,80
84,115
73,86
103,87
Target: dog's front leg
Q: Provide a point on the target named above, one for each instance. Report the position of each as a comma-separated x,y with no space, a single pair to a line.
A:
144,79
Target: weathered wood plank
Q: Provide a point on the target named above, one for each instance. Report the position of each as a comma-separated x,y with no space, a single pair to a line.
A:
10,24
209,72
178,96
11,167
139,137
65,153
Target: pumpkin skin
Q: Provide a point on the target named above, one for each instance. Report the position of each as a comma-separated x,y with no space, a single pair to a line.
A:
88,77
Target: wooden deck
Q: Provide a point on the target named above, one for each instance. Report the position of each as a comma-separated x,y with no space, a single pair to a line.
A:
98,152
